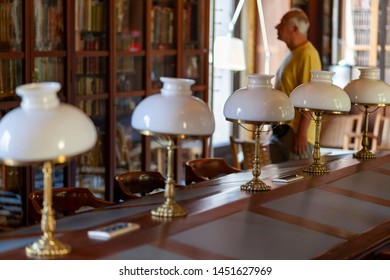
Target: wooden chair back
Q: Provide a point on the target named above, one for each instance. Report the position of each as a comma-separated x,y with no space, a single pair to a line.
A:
243,152
66,201
202,169
381,133
335,128
134,184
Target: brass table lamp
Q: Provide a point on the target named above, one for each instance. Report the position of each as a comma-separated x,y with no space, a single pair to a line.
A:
368,91
44,131
319,97
258,104
173,114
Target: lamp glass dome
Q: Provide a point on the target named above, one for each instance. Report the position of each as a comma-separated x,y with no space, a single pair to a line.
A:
368,89
320,94
43,129
258,102
174,112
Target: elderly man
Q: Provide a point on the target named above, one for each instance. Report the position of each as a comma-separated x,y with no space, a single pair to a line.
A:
294,140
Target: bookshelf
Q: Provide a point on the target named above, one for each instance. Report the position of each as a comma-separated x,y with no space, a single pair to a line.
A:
108,56
360,32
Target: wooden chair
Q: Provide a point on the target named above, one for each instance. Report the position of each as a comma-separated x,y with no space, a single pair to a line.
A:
334,130
66,201
202,169
243,152
380,136
134,184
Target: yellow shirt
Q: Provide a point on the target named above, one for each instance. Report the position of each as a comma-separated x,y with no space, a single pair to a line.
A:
295,70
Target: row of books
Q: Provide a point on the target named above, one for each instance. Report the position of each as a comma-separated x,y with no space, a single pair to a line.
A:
362,58
10,76
10,25
91,85
162,27
93,108
126,64
361,19
128,82
362,36
49,69
91,66
49,25
90,41
122,12
190,25
91,15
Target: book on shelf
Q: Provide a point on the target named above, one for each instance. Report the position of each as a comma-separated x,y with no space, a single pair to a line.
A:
162,30
49,69
90,16
49,25
10,76
10,25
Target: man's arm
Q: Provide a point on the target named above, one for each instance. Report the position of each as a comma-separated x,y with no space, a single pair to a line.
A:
301,137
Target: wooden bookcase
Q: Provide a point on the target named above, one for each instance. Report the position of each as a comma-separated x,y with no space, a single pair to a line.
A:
108,55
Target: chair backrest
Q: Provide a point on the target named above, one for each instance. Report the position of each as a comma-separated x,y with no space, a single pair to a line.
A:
243,152
203,169
129,184
334,129
66,201
381,133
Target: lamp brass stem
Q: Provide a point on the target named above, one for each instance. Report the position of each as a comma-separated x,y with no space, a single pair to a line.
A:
170,208
317,167
256,184
365,153
47,246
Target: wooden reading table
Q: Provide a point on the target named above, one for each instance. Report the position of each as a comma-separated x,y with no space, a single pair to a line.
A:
341,215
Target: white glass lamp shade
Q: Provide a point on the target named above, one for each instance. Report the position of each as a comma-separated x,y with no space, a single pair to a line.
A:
368,89
258,103
43,129
229,53
174,112
320,94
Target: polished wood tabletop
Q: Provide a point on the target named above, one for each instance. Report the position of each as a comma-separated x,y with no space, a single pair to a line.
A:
344,214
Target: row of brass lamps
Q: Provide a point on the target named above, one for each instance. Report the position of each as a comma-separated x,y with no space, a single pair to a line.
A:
45,132
259,104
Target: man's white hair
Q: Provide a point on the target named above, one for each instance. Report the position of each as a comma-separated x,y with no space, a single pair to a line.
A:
300,20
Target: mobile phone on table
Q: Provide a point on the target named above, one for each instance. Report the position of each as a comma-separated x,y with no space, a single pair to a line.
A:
287,178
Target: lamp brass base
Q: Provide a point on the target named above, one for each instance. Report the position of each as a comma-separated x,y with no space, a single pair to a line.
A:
47,248
364,154
169,209
317,169
255,185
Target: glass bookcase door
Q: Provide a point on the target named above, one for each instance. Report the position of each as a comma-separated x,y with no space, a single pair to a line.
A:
162,66
192,20
91,165
128,141
11,75
91,25
11,47
130,25
163,30
11,25
49,69
191,66
49,25
129,75
91,75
